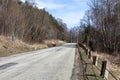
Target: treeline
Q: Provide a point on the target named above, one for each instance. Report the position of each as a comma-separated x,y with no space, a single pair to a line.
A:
28,23
103,25
100,26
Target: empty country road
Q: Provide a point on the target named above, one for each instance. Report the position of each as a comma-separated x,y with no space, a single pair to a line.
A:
47,64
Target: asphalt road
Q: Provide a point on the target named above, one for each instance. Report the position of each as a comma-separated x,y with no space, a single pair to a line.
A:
46,64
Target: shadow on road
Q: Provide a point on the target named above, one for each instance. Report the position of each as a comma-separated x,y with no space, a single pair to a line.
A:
7,65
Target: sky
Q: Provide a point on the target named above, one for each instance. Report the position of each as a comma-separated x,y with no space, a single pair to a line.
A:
70,11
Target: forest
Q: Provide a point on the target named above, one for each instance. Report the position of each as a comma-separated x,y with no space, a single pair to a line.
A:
28,23
100,26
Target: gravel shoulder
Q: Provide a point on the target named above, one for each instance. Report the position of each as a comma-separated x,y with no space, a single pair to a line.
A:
77,73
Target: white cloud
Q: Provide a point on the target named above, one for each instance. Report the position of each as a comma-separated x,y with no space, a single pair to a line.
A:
40,7
47,4
50,5
72,18
69,11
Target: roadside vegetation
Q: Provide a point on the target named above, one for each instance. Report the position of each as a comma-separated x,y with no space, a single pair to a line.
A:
28,23
8,47
100,26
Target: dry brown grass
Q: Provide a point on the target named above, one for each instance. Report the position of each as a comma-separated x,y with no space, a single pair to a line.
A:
8,47
53,42
114,61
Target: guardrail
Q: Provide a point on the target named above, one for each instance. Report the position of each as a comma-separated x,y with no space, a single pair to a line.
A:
102,65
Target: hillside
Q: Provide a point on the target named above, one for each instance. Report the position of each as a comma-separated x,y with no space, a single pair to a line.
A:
8,47
31,28
28,23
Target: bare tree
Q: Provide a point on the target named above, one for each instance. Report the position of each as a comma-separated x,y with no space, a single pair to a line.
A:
105,18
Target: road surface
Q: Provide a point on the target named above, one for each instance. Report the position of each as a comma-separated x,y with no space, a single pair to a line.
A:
46,64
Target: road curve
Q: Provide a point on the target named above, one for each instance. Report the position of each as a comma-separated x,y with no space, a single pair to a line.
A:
46,64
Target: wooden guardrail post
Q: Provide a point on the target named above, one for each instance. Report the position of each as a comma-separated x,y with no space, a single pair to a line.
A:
89,54
104,69
86,51
95,60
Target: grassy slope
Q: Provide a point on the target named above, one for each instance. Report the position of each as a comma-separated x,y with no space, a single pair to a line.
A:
8,47
114,63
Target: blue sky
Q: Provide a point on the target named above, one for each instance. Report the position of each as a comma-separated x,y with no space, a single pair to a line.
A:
70,11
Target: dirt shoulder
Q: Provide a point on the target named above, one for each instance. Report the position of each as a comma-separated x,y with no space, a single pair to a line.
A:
77,73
